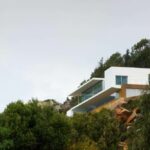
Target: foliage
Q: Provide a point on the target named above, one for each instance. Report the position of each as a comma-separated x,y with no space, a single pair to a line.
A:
84,144
114,60
6,142
139,133
133,103
138,56
101,127
28,126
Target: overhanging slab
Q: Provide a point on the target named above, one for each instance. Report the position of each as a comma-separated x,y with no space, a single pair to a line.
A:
95,99
85,86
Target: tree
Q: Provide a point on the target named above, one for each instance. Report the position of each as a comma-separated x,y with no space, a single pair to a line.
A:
84,144
140,54
139,133
28,126
127,58
115,60
99,71
102,128
6,142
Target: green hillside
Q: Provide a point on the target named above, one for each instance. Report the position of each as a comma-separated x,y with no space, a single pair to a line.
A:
137,56
42,126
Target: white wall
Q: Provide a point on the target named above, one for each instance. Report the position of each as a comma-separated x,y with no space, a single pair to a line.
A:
135,75
70,113
133,92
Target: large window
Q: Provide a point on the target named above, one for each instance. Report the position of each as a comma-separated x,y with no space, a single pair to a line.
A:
121,80
92,91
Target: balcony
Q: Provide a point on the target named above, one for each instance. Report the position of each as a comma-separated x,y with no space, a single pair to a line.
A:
92,91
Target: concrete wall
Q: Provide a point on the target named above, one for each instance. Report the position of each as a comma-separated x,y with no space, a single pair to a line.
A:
135,75
133,92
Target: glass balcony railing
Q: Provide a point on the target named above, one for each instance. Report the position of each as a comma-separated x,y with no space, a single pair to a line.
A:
91,91
84,97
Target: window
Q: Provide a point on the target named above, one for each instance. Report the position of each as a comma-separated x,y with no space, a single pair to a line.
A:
92,91
118,80
124,80
121,80
149,78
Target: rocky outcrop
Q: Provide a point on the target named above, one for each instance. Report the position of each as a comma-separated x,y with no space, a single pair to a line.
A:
50,103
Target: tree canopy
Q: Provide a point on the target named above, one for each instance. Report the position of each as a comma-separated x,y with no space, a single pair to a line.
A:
138,56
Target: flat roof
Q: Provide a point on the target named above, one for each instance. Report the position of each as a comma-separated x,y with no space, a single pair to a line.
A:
92,100
85,86
113,67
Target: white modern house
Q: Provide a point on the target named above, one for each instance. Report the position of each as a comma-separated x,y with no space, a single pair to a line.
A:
118,84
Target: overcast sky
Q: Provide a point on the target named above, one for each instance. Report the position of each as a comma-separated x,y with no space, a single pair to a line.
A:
47,47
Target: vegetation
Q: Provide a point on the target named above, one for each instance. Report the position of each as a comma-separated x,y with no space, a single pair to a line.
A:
100,128
32,127
138,56
139,133
29,126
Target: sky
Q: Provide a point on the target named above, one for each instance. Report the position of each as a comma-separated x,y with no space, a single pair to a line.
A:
48,47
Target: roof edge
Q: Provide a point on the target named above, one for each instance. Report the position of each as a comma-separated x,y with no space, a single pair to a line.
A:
87,83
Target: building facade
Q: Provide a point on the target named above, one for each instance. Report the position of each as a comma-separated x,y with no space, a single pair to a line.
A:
118,84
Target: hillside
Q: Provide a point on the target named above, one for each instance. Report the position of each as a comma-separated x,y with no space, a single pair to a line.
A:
137,56
43,125
30,126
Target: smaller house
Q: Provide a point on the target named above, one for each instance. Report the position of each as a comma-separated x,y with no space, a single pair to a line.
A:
118,84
